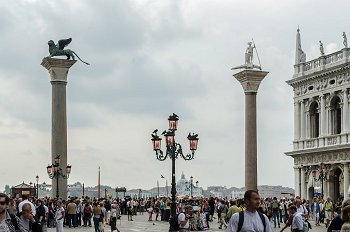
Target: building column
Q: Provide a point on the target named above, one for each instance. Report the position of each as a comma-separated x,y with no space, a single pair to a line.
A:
58,70
302,120
346,180
297,181
345,127
303,184
308,125
250,80
323,119
296,120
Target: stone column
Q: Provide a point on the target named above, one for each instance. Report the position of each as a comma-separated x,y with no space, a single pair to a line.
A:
302,120
296,120
345,127
296,181
250,80
58,70
323,119
346,181
303,184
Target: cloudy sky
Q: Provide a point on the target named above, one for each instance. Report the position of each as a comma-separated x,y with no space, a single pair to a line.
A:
150,58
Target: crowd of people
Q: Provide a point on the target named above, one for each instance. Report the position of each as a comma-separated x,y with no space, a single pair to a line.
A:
252,213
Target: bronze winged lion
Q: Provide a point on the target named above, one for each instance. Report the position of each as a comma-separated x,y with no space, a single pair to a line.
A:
58,49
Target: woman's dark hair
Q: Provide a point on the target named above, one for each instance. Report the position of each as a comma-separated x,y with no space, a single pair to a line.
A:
7,199
248,194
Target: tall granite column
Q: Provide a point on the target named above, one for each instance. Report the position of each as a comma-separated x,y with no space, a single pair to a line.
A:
58,70
250,80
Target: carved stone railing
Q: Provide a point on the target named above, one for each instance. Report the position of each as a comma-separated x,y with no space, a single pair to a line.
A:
329,140
325,61
334,57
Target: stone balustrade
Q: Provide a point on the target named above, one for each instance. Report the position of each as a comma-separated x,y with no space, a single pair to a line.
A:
321,63
326,141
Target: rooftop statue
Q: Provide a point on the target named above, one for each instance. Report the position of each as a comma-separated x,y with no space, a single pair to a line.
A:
249,58
345,40
58,49
321,48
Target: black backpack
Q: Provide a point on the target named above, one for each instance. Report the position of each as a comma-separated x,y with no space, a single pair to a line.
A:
241,220
174,223
14,221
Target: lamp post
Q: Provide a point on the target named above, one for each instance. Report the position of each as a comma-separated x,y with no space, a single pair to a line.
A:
322,176
37,186
191,183
173,150
55,171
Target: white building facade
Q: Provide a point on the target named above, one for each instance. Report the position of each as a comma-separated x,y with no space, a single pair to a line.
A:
321,145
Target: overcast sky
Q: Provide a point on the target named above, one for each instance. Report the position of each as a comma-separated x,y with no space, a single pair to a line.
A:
148,60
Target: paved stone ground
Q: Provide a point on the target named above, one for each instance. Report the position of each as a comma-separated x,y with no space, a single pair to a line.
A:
140,223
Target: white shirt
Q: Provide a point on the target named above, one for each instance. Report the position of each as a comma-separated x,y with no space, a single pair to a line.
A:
59,213
297,222
252,223
20,205
182,218
302,209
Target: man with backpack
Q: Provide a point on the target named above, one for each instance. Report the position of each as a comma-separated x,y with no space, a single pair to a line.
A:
8,222
250,219
275,208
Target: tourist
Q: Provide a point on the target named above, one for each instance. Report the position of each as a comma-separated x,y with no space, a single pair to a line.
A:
78,212
328,208
250,219
114,216
232,210
27,220
156,209
129,207
206,210
149,207
96,216
87,214
297,219
223,211
59,216
41,214
8,221
338,221
71,213
24,201
275,208
183,219
315,209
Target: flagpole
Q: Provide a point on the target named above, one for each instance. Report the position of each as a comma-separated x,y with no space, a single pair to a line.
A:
99,184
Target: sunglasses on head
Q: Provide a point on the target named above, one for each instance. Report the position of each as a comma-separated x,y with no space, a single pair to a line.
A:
2,202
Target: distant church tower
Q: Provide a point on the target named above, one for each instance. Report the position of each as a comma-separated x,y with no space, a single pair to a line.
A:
321,145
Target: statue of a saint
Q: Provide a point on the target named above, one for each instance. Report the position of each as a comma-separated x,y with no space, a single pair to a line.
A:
249,58
321,48
345,40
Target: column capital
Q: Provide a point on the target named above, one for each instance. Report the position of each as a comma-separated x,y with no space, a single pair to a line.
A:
250,79
58,68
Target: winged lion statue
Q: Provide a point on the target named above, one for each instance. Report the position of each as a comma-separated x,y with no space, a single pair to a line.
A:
58,49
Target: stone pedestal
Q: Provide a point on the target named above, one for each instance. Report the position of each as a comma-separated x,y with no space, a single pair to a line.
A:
250,80
58,70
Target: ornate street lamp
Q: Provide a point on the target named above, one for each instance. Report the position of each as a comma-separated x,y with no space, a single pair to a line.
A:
54,171
323,175
173,150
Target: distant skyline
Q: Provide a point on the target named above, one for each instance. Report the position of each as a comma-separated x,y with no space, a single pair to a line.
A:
150,58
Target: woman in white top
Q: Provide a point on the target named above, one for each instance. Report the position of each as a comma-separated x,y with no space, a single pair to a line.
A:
114,215
59,217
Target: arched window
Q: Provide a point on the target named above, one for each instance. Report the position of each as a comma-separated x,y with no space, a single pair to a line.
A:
314,120
335,119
